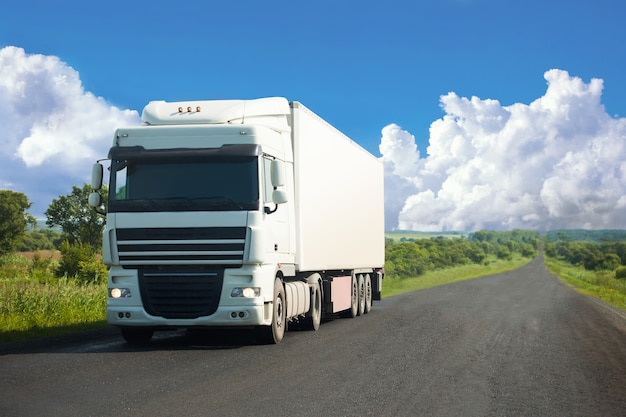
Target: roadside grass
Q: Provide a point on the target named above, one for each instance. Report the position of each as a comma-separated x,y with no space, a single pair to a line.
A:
395,286
31,309
599,284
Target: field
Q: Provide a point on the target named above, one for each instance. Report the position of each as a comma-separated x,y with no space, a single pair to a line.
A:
43,254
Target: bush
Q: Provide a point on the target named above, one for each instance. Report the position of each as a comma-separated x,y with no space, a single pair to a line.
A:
71,257
79,261
93,271
620,273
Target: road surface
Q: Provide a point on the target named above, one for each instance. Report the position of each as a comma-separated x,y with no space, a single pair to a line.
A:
515,344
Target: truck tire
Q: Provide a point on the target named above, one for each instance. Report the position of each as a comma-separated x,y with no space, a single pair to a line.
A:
368,293
361,286
273,334
314,316
137,335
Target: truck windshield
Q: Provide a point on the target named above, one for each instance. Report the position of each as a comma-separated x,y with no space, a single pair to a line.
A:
184,184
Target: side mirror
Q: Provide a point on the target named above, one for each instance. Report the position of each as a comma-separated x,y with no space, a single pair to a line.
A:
95,200
278,180
278,173
279,197
96,177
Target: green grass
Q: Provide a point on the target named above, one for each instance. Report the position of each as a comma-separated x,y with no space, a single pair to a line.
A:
395,286
30,309
599,284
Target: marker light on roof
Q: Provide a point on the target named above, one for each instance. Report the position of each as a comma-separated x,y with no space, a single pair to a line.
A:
189,109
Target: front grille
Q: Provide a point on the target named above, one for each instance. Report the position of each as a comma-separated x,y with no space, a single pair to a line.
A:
180,294
181,245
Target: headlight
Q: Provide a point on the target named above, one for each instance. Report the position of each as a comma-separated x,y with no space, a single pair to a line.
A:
246,292
119,293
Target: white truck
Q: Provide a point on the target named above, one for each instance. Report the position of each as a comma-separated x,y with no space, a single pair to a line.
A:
239,213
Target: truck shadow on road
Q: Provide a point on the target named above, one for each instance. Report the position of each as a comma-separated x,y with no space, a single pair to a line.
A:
199,339
110,340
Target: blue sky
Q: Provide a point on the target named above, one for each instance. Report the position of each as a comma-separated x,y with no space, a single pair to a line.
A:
360,65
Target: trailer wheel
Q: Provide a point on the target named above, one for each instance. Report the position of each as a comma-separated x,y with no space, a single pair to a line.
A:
274,333
354,305
137,335
368,293
361,286
314,316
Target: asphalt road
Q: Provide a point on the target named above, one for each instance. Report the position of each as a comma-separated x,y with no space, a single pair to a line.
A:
516,344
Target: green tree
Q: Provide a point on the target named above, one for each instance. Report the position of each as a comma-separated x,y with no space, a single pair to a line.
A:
13,219
80,223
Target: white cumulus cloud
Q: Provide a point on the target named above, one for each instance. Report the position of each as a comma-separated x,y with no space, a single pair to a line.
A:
558,162
53,129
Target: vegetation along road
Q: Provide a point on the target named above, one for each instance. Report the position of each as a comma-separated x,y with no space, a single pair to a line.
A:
516,344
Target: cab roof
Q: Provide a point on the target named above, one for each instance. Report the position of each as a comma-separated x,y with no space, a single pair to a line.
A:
272,112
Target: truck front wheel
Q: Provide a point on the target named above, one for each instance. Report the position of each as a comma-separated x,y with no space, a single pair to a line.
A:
314,316
274,333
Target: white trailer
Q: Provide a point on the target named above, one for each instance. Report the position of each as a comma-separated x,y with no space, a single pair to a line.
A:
239,213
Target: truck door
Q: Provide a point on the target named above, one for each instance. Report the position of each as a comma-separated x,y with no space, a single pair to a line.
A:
277,222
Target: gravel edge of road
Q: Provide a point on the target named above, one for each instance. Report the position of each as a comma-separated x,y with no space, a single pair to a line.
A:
616,315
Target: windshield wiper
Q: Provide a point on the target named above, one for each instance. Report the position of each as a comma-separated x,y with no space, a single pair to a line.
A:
226,201
176,202
144,203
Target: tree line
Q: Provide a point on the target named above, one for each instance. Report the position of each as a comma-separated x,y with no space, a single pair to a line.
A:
596,250
414,257
607,235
